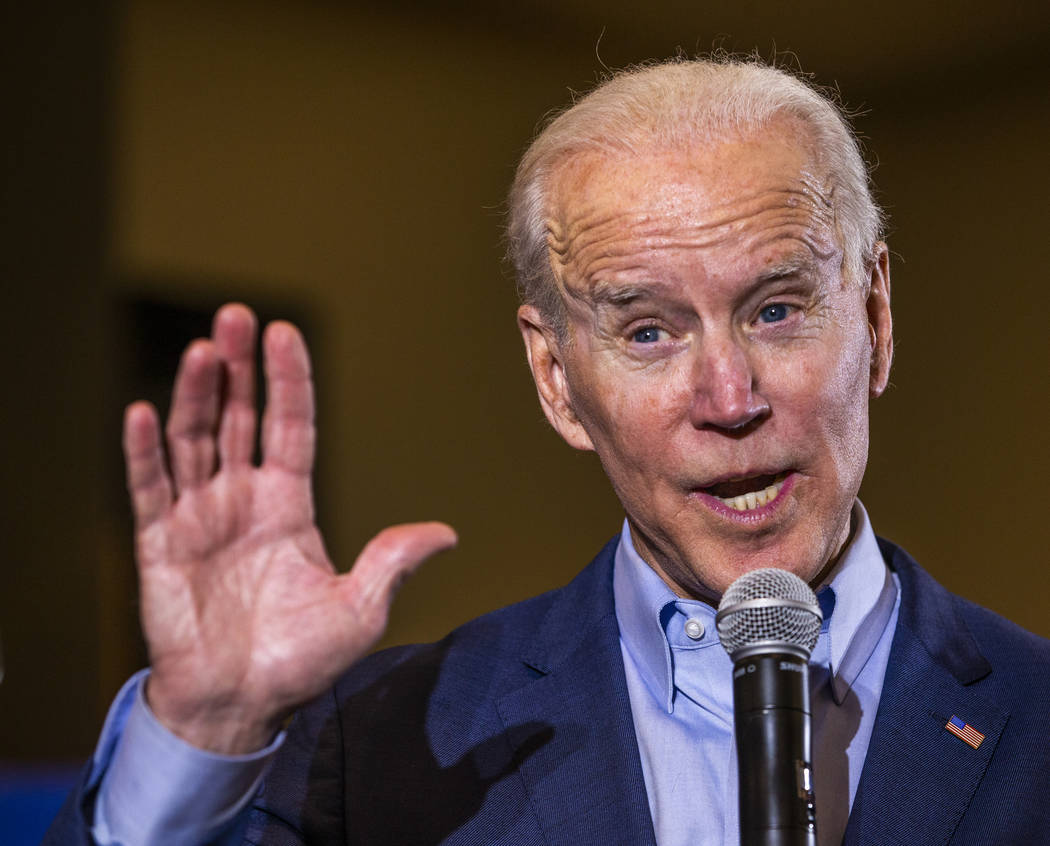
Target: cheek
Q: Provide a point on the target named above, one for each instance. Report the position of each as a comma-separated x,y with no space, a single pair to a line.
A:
848,382
821,394
631,416
843,410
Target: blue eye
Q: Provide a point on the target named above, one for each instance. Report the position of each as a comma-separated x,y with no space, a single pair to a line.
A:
773,313
648,335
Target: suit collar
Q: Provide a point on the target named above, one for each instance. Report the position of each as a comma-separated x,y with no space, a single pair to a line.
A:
932,614
577,611
918,778
586,782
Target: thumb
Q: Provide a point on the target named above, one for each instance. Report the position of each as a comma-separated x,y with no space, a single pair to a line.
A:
385,562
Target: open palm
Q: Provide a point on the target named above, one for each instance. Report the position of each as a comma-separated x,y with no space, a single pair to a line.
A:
244,614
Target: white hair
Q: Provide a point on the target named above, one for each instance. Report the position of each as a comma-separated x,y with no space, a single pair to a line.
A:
676,104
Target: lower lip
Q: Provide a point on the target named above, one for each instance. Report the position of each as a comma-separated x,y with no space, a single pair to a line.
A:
752,515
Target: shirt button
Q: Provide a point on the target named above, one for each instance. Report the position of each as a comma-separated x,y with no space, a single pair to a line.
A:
694,629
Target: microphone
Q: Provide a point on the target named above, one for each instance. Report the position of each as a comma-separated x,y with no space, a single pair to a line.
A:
768,622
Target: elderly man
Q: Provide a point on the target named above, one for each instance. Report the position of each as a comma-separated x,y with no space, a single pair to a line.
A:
706,305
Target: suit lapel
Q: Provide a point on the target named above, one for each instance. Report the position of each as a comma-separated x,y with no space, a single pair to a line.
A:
585,783
919,778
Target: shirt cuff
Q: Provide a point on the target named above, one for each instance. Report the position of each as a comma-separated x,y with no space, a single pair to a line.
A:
157,788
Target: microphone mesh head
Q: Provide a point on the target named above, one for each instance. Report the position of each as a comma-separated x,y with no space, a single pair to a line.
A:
740,626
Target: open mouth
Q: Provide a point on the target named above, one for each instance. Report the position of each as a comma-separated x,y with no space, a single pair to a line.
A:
747,494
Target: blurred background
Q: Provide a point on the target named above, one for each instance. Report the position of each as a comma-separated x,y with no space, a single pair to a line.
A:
344,164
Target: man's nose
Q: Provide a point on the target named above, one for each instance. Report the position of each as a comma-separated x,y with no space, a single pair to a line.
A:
725,394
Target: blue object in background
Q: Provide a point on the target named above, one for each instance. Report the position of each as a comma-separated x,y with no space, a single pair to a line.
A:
30,796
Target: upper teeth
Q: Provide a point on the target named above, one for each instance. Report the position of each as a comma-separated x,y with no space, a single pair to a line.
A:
753,499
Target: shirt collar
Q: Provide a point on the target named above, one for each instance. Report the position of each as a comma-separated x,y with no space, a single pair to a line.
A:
864,594
857,598
641,596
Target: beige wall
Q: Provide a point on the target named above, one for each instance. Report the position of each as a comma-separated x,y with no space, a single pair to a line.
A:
959,454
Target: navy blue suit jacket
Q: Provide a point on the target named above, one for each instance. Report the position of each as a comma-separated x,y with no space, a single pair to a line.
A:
517,729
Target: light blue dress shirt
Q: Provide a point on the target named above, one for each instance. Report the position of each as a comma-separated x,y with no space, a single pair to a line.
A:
157,789
679,679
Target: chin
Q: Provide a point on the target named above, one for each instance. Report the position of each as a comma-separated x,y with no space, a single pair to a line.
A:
798,555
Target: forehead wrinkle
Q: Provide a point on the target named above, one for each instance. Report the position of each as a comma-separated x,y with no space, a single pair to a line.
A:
560,238
619,255
605,292
602,290
819,238
622,233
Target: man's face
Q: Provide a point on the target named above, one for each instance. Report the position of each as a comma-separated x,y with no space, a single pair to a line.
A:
717,360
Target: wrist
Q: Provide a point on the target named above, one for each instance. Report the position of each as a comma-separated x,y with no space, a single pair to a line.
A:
225,728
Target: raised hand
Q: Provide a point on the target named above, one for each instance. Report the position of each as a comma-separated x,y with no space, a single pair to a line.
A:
244,615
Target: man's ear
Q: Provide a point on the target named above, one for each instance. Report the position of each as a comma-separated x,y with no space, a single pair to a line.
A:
880,320
547,364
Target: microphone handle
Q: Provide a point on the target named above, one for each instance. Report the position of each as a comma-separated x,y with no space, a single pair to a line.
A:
772,721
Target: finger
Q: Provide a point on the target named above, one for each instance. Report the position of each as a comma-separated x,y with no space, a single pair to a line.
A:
288,422
384,564
194,415
233,333
148,481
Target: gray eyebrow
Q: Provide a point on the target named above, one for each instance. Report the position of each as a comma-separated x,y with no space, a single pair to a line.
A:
611,293
616,294
787,267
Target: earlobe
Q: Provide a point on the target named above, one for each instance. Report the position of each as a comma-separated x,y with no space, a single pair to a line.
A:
880,320
546,362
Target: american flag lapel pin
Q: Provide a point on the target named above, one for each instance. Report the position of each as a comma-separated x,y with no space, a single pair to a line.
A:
964,731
